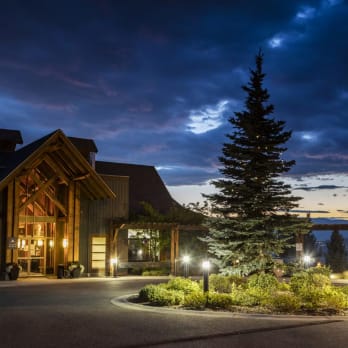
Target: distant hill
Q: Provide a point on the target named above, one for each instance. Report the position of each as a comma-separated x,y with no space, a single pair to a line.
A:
329,221
325,235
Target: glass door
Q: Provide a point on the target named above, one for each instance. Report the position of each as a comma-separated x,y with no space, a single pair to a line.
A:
32,255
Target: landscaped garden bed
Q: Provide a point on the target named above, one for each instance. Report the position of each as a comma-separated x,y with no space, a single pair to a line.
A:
307,292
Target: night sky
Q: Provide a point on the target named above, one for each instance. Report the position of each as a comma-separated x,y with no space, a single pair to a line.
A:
154,82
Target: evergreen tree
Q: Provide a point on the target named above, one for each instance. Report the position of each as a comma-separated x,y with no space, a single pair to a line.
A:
336,256
251,222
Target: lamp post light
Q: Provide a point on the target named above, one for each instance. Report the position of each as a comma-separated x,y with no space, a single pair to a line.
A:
186,261
114,267
307,260
206,268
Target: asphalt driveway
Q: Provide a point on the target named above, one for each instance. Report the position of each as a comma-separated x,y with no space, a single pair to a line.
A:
93,312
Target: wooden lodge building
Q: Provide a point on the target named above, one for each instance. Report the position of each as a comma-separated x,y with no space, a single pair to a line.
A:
58,205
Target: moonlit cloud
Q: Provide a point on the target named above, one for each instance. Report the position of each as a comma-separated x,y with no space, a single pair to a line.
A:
207,118
276,41
306,13
309,136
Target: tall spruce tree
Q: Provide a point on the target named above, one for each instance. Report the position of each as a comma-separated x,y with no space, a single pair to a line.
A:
251,223
336,256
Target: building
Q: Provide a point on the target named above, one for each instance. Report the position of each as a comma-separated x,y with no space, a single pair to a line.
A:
58,205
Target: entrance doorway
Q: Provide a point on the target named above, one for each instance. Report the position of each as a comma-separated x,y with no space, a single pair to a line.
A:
35,250
32,255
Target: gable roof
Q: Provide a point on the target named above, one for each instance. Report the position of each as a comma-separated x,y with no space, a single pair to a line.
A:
57,149
145,185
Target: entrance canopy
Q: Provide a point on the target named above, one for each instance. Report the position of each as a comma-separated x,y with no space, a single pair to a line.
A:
56,153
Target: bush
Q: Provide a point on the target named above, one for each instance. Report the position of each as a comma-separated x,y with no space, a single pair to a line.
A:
306,281
220,283
309,291
315,291
237,280
263,281
324,270
146,293
344,289
283,286
223,284
160,296
334,298
195,300
183,284
284,302
219,301
247,297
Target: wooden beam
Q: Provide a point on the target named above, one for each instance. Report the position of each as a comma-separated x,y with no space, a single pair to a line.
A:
70,222
77,209
38,192
32,219
57,170
174,249
9,219
16,203
59,205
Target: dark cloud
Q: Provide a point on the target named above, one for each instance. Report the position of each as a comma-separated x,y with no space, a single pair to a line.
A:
302,211
316,188
132,74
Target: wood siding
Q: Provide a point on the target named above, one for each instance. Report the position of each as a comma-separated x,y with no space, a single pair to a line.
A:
97,218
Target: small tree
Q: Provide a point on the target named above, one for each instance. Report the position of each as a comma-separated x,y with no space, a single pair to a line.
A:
336,256
251,222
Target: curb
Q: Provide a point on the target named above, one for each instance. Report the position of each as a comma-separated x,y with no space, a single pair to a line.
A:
123,302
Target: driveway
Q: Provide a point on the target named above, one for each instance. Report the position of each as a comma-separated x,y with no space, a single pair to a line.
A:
92,312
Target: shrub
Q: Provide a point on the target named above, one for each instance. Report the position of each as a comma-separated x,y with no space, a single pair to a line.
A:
220,283
247,297
307,281
263,281
315,291
283,286
334,298
344,289
237,280
195,300
324,270
284,302
219,301
146,293
183,284
158,295
292,268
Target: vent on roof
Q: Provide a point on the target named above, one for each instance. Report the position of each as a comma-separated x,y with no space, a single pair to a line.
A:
9,139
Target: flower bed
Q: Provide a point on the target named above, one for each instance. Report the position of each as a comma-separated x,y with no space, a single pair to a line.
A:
306,292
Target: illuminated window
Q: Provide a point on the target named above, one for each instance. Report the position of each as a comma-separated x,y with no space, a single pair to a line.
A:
143,245
98,253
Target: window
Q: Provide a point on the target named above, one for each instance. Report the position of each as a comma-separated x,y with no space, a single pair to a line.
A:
143,245
98,253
